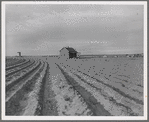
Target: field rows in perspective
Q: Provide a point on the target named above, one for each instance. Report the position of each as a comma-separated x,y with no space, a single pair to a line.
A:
49,86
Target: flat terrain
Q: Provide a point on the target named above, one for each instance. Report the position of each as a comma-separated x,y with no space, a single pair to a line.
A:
51,86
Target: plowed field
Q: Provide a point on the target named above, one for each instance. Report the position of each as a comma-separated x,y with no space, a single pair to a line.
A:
49,86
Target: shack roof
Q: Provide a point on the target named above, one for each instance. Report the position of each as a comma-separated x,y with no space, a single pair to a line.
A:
70,49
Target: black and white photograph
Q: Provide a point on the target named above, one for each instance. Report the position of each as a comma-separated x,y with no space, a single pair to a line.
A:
74,60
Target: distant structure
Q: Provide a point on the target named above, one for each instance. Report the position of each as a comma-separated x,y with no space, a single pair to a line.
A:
69,52
105,56
19,53
138,55
134,55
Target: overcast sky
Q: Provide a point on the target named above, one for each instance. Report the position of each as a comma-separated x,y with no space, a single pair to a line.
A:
90,29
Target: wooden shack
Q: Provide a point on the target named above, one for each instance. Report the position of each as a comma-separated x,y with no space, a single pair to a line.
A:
69,52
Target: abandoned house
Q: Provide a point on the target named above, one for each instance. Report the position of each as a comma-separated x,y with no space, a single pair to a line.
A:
69,52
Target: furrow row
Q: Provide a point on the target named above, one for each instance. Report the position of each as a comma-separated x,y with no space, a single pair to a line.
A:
18,64
11,83
121,103
23,98
17,69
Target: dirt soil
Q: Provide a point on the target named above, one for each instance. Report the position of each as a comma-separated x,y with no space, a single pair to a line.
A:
66,89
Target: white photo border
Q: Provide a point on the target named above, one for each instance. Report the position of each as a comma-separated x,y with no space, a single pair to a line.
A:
4,117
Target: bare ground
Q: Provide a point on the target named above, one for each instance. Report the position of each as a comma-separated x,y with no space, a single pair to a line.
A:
61,89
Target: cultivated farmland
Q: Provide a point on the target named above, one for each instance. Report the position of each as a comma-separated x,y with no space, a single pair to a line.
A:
49,86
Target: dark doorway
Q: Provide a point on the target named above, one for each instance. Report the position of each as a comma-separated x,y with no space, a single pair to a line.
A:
72,55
